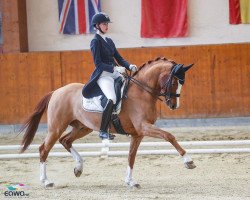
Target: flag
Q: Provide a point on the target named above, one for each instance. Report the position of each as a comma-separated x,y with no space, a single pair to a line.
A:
1,28
75,15
239,11
164,18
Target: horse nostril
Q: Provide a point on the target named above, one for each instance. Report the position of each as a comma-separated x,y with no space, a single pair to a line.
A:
173,107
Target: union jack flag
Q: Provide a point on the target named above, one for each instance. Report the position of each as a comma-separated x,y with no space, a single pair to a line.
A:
75,15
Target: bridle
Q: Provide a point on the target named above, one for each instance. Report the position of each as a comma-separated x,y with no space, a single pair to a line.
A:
169,83
167,86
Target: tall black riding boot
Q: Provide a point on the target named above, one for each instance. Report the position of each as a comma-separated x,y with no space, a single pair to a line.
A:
106,116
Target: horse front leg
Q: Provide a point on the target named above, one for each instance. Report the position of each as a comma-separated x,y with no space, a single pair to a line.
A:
134,144
147,129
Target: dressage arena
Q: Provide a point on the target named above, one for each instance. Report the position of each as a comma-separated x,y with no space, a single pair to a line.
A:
212,123
217,176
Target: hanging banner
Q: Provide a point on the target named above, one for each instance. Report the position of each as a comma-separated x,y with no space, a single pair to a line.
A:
1,29
164,18
239,11
75,15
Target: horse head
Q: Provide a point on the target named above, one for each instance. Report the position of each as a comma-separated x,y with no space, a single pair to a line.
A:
171,89
163,77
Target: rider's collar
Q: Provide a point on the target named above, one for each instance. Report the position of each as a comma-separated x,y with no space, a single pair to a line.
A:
102,35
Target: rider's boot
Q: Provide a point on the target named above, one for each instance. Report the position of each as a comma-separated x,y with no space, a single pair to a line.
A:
106,116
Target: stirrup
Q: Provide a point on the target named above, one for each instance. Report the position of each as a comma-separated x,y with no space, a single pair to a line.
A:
105,135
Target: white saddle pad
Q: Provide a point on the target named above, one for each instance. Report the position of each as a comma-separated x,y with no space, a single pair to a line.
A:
94,104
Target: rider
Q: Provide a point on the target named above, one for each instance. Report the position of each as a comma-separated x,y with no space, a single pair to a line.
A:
102,79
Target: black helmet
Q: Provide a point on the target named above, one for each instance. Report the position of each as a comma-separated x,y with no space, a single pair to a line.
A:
100,18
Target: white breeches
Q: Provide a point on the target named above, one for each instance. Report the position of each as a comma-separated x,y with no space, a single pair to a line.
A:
106,83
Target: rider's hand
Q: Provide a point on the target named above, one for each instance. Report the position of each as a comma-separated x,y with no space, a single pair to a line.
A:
121,70
133,68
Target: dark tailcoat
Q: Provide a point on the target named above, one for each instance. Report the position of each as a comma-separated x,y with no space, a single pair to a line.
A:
104,53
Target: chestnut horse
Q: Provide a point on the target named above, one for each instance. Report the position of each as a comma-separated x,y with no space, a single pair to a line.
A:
160,77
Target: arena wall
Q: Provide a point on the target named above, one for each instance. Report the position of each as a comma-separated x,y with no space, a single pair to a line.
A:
217,85
208,24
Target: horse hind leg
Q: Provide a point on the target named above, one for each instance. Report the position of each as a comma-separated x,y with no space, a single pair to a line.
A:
77,132
134,144
44,150
43,175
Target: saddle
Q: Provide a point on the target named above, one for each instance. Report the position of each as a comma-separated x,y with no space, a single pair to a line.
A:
98,103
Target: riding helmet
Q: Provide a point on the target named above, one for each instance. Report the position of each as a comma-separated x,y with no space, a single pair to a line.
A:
100,18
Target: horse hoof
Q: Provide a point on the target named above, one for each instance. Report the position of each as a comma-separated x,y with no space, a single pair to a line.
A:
48,184
77,172
190,165
137,186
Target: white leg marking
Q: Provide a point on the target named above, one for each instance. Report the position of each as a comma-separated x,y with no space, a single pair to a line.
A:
43,176
188,162
129,179
78,159
186,158
105,149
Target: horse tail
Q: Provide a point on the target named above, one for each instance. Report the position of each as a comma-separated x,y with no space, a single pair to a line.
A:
31,124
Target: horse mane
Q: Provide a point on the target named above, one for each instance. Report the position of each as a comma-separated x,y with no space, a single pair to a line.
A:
152,62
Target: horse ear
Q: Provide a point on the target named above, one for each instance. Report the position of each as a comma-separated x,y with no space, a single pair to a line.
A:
188,67
178,68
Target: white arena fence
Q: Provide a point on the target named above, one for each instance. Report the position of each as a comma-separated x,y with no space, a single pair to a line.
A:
105,148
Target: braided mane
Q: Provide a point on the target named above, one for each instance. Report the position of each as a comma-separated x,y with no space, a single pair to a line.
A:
153,61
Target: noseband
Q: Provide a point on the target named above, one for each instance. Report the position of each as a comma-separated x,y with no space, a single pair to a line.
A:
168,85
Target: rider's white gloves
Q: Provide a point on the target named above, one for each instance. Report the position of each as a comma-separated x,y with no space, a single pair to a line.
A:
133,68
121,70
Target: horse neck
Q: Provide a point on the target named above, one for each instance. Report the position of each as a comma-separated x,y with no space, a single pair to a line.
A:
151,74
143,100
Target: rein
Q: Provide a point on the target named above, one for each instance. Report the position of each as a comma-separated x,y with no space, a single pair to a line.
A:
146,88
167,94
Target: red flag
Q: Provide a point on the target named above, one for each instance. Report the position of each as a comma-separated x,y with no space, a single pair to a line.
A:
164,18
234,12
239,11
